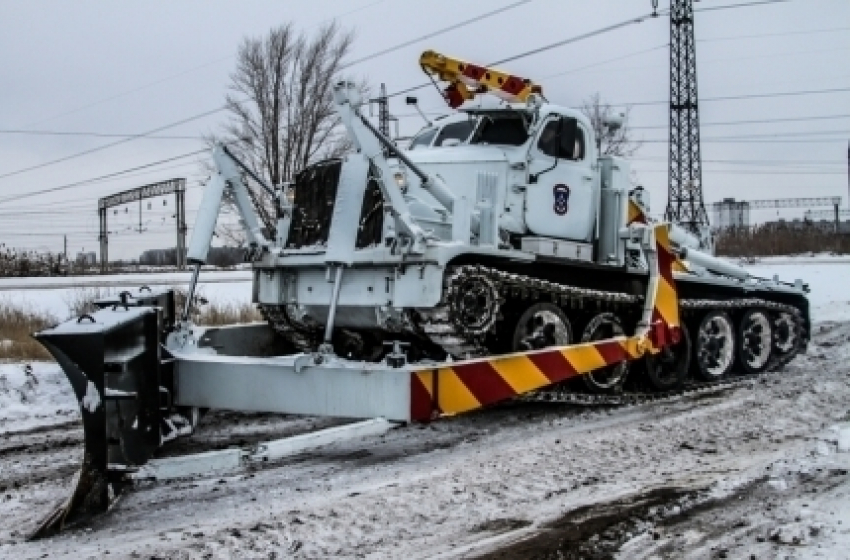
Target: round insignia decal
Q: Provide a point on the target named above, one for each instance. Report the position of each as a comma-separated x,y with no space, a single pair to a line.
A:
562,199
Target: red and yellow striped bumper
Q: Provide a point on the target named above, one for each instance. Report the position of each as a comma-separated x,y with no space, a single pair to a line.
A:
463,386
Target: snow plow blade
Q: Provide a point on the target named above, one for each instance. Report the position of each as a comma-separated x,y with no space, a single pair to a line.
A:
138,376
112,360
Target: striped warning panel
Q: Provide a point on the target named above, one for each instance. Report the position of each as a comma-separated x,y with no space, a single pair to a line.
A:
666,299
464,386
636,215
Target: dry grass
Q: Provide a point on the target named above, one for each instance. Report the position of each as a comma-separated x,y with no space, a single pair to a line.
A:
210,313
81,300
213,314
764,241
16,327
18,323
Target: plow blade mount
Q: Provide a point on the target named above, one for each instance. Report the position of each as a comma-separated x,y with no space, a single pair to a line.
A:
112,359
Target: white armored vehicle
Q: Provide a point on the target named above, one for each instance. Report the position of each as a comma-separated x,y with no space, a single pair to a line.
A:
498,230
501,255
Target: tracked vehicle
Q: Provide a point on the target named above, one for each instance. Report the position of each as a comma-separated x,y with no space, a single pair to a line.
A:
500,256
499,230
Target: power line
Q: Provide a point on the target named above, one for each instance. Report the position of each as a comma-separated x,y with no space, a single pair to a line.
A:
753,121
747,96
112,144
93,134
801,135
741,5
751,172
436,33
600,63
761,35
756,141
218,109
180,74
117,173
550,46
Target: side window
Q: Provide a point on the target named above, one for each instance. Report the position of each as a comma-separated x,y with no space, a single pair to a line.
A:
423,139
459,131
576,151
553,144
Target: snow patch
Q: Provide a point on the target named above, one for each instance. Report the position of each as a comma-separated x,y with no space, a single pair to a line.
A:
92,399
35,394
778,484
844,440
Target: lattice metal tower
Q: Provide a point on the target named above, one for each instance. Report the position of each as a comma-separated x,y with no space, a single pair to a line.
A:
684,199
384,112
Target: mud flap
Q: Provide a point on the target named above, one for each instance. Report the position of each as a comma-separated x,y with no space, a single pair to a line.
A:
112,359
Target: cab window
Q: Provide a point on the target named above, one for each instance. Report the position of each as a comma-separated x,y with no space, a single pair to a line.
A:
423,139
553,144
459,131
504,129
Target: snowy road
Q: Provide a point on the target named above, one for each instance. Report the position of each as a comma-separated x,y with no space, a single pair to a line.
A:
476,483
754,470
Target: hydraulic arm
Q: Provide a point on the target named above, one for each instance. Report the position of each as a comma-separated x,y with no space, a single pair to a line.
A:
227,179
467,79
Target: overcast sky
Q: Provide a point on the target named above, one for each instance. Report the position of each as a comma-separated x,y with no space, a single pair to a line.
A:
129,67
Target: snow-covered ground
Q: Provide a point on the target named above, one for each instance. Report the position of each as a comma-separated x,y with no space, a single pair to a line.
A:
762,469
56,294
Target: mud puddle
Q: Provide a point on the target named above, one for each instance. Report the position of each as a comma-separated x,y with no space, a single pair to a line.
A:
597,531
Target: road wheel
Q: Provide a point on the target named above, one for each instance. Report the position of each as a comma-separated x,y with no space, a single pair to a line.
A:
542,325
668,369
786,334
755,341
714,348
608,379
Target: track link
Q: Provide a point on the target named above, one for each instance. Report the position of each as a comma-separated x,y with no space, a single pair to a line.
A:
276,316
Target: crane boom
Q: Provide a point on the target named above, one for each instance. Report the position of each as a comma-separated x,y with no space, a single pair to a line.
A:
466,80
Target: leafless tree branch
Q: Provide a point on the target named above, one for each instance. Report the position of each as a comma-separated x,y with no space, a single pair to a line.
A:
613,142
281,110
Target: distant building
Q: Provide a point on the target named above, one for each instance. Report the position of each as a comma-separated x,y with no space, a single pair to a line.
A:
87,259
730,213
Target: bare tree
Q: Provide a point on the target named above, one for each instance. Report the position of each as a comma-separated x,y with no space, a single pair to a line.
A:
611,141
281,106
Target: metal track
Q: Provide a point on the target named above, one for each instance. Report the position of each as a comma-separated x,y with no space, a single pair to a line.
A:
276,316
440,324
444,326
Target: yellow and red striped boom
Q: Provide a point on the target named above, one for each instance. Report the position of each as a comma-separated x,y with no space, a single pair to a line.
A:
466,80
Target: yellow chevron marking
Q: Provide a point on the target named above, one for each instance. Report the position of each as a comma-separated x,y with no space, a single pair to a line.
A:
453,394
426,378
662,236
630,347
520,373
584,358
667,303
680,266
637,346
634,212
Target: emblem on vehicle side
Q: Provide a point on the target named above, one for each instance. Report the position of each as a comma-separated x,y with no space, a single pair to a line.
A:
562,199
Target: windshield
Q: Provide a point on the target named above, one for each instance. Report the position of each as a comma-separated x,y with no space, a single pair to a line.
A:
506,129
423,139
459,131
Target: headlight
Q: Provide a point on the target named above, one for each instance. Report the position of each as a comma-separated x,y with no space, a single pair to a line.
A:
401,179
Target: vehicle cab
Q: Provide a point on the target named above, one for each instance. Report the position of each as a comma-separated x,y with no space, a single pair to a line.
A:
543,155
